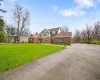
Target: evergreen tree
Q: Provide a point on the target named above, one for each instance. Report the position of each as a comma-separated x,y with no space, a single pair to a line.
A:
2,23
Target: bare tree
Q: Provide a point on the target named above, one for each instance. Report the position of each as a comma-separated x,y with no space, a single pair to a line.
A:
21,18
77,36
65,28
89,33
97,31
83,35
26,32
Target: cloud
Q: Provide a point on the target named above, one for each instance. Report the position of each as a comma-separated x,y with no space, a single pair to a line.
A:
72,12
85,3
55,8
79,8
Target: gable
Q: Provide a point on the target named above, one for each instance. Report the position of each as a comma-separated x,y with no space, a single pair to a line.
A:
45,31
60,30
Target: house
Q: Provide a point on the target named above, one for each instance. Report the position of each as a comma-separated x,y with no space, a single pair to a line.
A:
54,35
47,34
23,39
34,38
63,38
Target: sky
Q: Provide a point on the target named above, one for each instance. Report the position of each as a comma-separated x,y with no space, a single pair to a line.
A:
56,13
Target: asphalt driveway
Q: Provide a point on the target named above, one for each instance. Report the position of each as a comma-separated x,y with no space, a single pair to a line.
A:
78,62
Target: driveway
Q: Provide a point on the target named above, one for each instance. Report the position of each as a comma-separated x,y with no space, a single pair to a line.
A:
78,62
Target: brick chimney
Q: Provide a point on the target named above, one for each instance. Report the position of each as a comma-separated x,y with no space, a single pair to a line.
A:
36,33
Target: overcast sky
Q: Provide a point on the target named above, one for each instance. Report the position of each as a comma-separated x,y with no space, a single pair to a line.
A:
54,13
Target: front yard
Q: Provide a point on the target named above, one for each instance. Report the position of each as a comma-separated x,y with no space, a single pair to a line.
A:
15,55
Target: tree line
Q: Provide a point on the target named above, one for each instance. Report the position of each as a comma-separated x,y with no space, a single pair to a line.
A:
21,19
89,34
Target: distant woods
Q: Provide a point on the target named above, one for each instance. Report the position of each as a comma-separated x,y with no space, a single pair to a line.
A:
91,34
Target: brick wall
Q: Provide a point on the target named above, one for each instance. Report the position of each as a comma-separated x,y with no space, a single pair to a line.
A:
65,40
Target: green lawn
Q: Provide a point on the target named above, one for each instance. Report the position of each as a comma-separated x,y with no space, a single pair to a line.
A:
15,55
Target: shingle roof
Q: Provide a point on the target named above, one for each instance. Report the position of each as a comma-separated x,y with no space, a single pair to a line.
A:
64,34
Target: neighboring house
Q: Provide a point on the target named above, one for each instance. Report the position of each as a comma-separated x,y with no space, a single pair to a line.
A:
24,39
63,38
47,34
34,38
30,40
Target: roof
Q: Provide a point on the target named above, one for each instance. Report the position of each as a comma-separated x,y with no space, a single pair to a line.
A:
34,36
49,30
53,29
64,34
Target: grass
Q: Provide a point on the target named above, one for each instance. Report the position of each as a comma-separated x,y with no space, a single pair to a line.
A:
15,55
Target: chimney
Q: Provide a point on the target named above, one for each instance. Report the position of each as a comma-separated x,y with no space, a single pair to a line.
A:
36,33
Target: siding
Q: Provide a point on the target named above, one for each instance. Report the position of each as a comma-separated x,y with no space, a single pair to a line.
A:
24,39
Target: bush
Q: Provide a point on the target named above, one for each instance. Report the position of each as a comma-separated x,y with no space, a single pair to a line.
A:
95,41
92,42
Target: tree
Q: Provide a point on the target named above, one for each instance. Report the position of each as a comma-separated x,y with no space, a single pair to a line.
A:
2,36
2,23
11,32
1,10
2,33
21,19
26,32
89,33
97,31
83,35
65,28
77,36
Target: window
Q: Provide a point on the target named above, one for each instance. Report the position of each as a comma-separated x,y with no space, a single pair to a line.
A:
54,32
61,40
44,34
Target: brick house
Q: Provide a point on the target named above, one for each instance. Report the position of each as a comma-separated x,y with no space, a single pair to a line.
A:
54,35
47,34
63,38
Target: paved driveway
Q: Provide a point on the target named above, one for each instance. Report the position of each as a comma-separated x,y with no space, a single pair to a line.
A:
78,62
